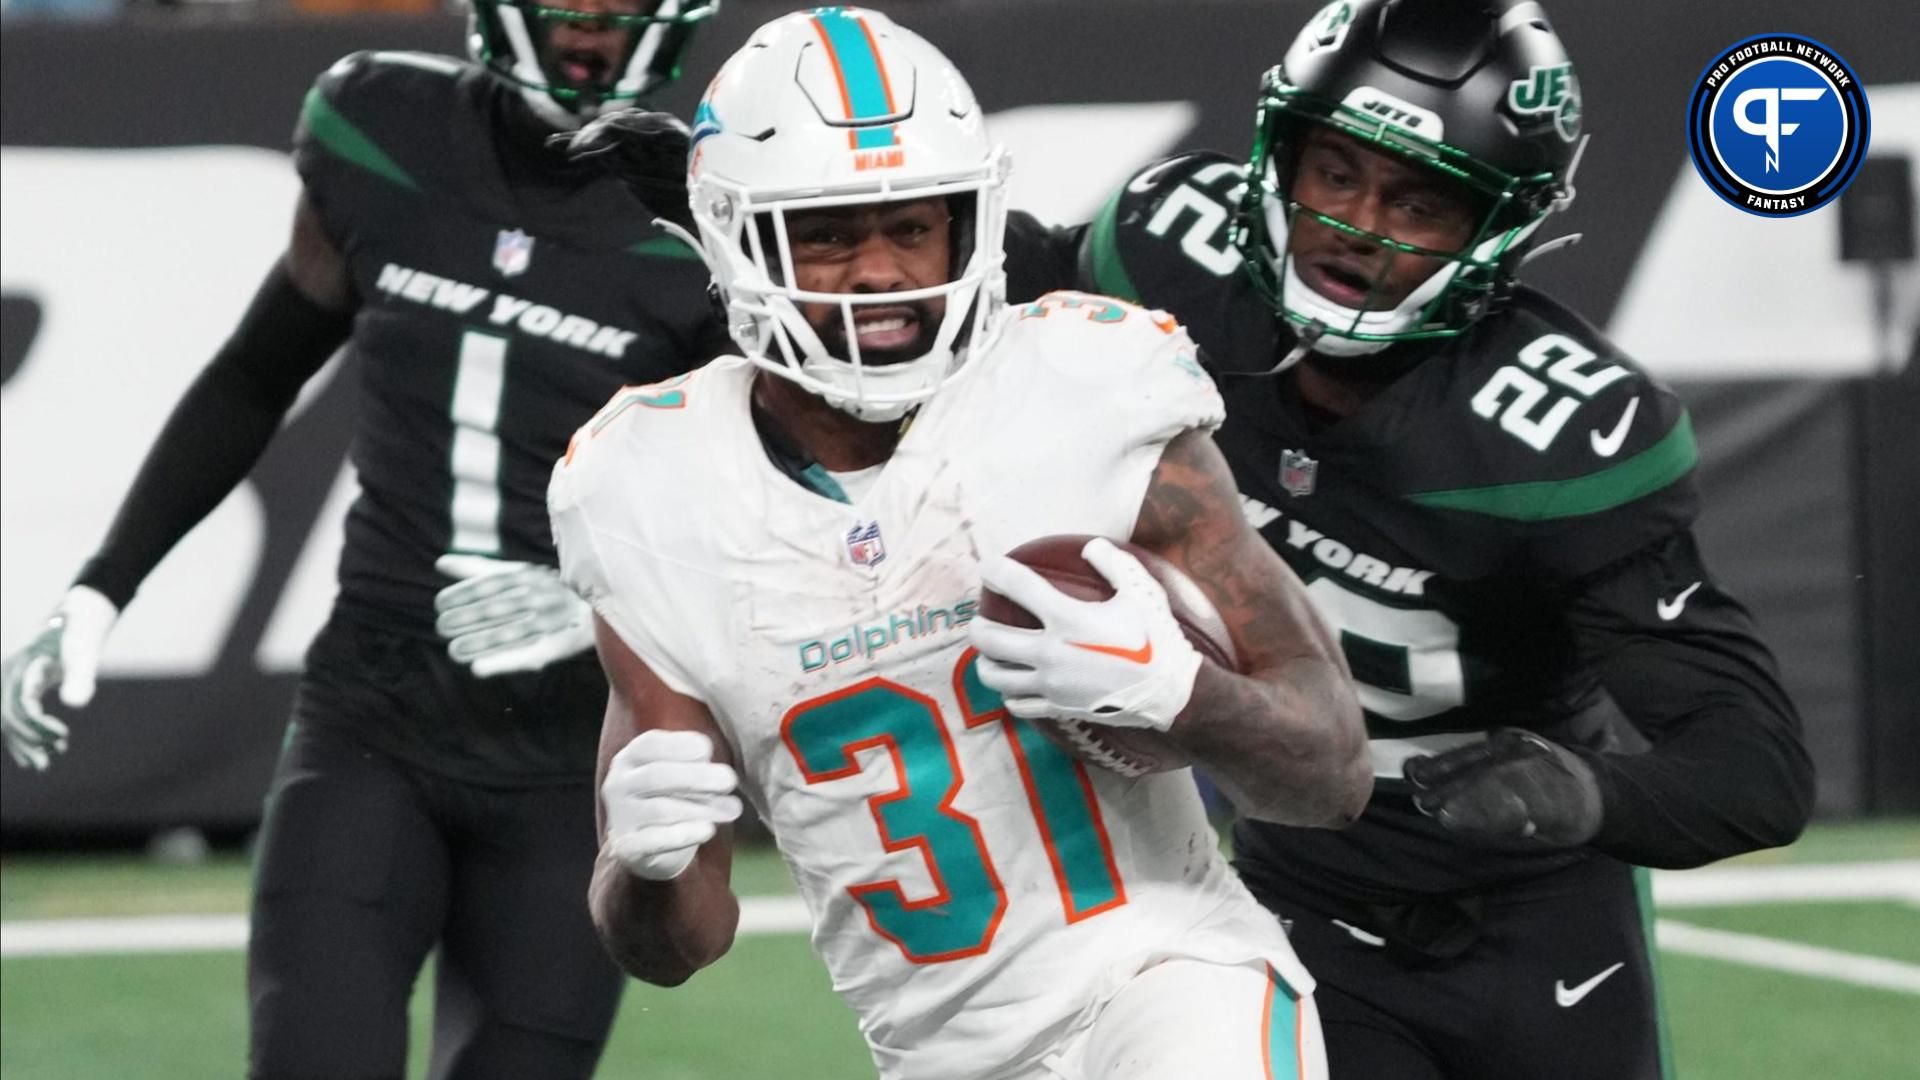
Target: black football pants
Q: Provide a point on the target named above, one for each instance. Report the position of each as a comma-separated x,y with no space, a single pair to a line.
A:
1559,986
366,864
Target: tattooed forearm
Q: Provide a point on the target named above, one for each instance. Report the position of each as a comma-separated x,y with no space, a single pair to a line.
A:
1284,744
1176,497
1282,736
1191,515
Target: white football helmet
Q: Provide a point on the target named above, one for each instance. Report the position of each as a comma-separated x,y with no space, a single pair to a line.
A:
840,107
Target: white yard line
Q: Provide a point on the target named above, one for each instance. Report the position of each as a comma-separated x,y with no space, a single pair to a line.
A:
774,915
1753,950
1897,880
1731,886
134,934
223,933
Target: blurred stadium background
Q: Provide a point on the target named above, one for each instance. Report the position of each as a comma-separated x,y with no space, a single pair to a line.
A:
144,187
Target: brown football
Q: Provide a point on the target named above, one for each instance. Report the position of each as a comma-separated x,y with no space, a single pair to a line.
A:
1127,751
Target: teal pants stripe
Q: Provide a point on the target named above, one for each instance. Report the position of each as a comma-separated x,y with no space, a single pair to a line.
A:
1283,1037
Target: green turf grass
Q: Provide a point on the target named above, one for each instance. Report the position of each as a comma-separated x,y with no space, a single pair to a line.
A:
81,886
767,1006
1888,929
71,886
766,1009
1741,1023
1853,841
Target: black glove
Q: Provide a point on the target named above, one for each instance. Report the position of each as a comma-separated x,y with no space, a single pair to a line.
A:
647,151
1515,784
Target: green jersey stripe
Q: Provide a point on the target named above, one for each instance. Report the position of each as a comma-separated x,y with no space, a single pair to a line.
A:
1544,500
338,134
1103,252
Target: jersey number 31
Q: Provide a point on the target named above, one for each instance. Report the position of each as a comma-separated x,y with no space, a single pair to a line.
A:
826,733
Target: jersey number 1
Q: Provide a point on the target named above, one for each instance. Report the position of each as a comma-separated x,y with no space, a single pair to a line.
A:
825,733
475,454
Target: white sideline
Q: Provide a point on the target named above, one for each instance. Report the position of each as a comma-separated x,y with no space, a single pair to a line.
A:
1753,950
223,933
1731,886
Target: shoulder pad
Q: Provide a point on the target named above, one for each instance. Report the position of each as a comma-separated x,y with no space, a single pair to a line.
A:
1164,239
384,114
631,417
1108,324
1167,225
1621,411
1563,430
1136,367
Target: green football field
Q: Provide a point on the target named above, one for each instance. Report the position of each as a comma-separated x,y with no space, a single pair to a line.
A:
1822,981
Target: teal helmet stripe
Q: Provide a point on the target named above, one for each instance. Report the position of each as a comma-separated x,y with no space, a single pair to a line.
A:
864,87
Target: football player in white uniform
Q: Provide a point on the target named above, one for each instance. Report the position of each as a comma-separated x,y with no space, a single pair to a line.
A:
784,552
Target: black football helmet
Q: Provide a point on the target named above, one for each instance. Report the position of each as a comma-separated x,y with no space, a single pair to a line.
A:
1480,91
513,38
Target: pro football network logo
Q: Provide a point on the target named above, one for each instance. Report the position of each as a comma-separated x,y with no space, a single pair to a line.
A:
1778,125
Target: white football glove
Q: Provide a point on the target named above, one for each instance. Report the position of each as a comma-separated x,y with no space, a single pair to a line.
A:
665,796
502,617
66,652
1123,661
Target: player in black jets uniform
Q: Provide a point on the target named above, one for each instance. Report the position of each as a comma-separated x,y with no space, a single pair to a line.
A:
493,295
1493,508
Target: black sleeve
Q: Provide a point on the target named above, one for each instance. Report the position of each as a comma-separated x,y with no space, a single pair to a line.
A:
1040,258
217,431
1727,772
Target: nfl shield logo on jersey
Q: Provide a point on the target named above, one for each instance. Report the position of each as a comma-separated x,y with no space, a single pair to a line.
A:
1297,472
512,253
864,544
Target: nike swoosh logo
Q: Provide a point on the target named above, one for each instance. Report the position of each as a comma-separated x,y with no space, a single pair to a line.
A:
1360,935
1669,610
1143,183
1567,998
1609,444
1141,655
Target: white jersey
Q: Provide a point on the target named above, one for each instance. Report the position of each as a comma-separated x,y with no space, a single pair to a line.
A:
975,892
